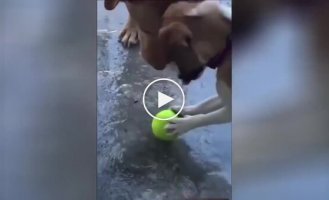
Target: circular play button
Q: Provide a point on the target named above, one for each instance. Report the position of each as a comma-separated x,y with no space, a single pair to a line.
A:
161,94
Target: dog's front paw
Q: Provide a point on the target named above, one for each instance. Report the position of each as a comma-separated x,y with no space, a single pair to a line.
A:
179,126
129,35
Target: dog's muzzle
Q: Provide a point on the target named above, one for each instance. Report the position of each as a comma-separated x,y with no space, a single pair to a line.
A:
191,76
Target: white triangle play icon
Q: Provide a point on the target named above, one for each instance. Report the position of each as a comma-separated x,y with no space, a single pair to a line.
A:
163,99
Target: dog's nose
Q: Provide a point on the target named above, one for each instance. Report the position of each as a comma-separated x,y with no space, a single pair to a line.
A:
185,80
110,4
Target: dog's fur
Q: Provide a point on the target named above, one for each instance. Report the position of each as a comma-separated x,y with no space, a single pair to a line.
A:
188,34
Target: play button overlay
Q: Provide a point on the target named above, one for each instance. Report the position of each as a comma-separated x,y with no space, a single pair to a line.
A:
163,99
162,94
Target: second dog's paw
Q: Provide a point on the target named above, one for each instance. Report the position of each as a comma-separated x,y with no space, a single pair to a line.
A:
129,35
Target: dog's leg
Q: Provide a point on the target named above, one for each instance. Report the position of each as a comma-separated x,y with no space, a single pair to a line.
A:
209,105
183,125
129,35
222,115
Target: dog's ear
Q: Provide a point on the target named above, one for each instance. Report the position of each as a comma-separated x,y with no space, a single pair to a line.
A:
110,4
176,34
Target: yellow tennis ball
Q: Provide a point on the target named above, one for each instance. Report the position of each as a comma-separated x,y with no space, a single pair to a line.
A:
158,126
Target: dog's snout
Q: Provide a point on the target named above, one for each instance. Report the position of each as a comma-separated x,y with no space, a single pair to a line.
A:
110,4
187,77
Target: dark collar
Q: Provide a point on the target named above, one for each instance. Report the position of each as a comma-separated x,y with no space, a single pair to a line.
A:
218,59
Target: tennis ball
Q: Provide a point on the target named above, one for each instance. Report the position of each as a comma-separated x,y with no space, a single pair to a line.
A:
158,126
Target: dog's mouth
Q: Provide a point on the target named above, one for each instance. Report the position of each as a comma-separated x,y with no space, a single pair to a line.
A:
190,76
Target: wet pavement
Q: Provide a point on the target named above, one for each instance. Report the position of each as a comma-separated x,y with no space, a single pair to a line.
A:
132,164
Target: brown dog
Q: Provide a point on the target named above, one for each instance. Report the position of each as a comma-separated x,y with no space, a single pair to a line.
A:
193,35
145,20
143,13
196,35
